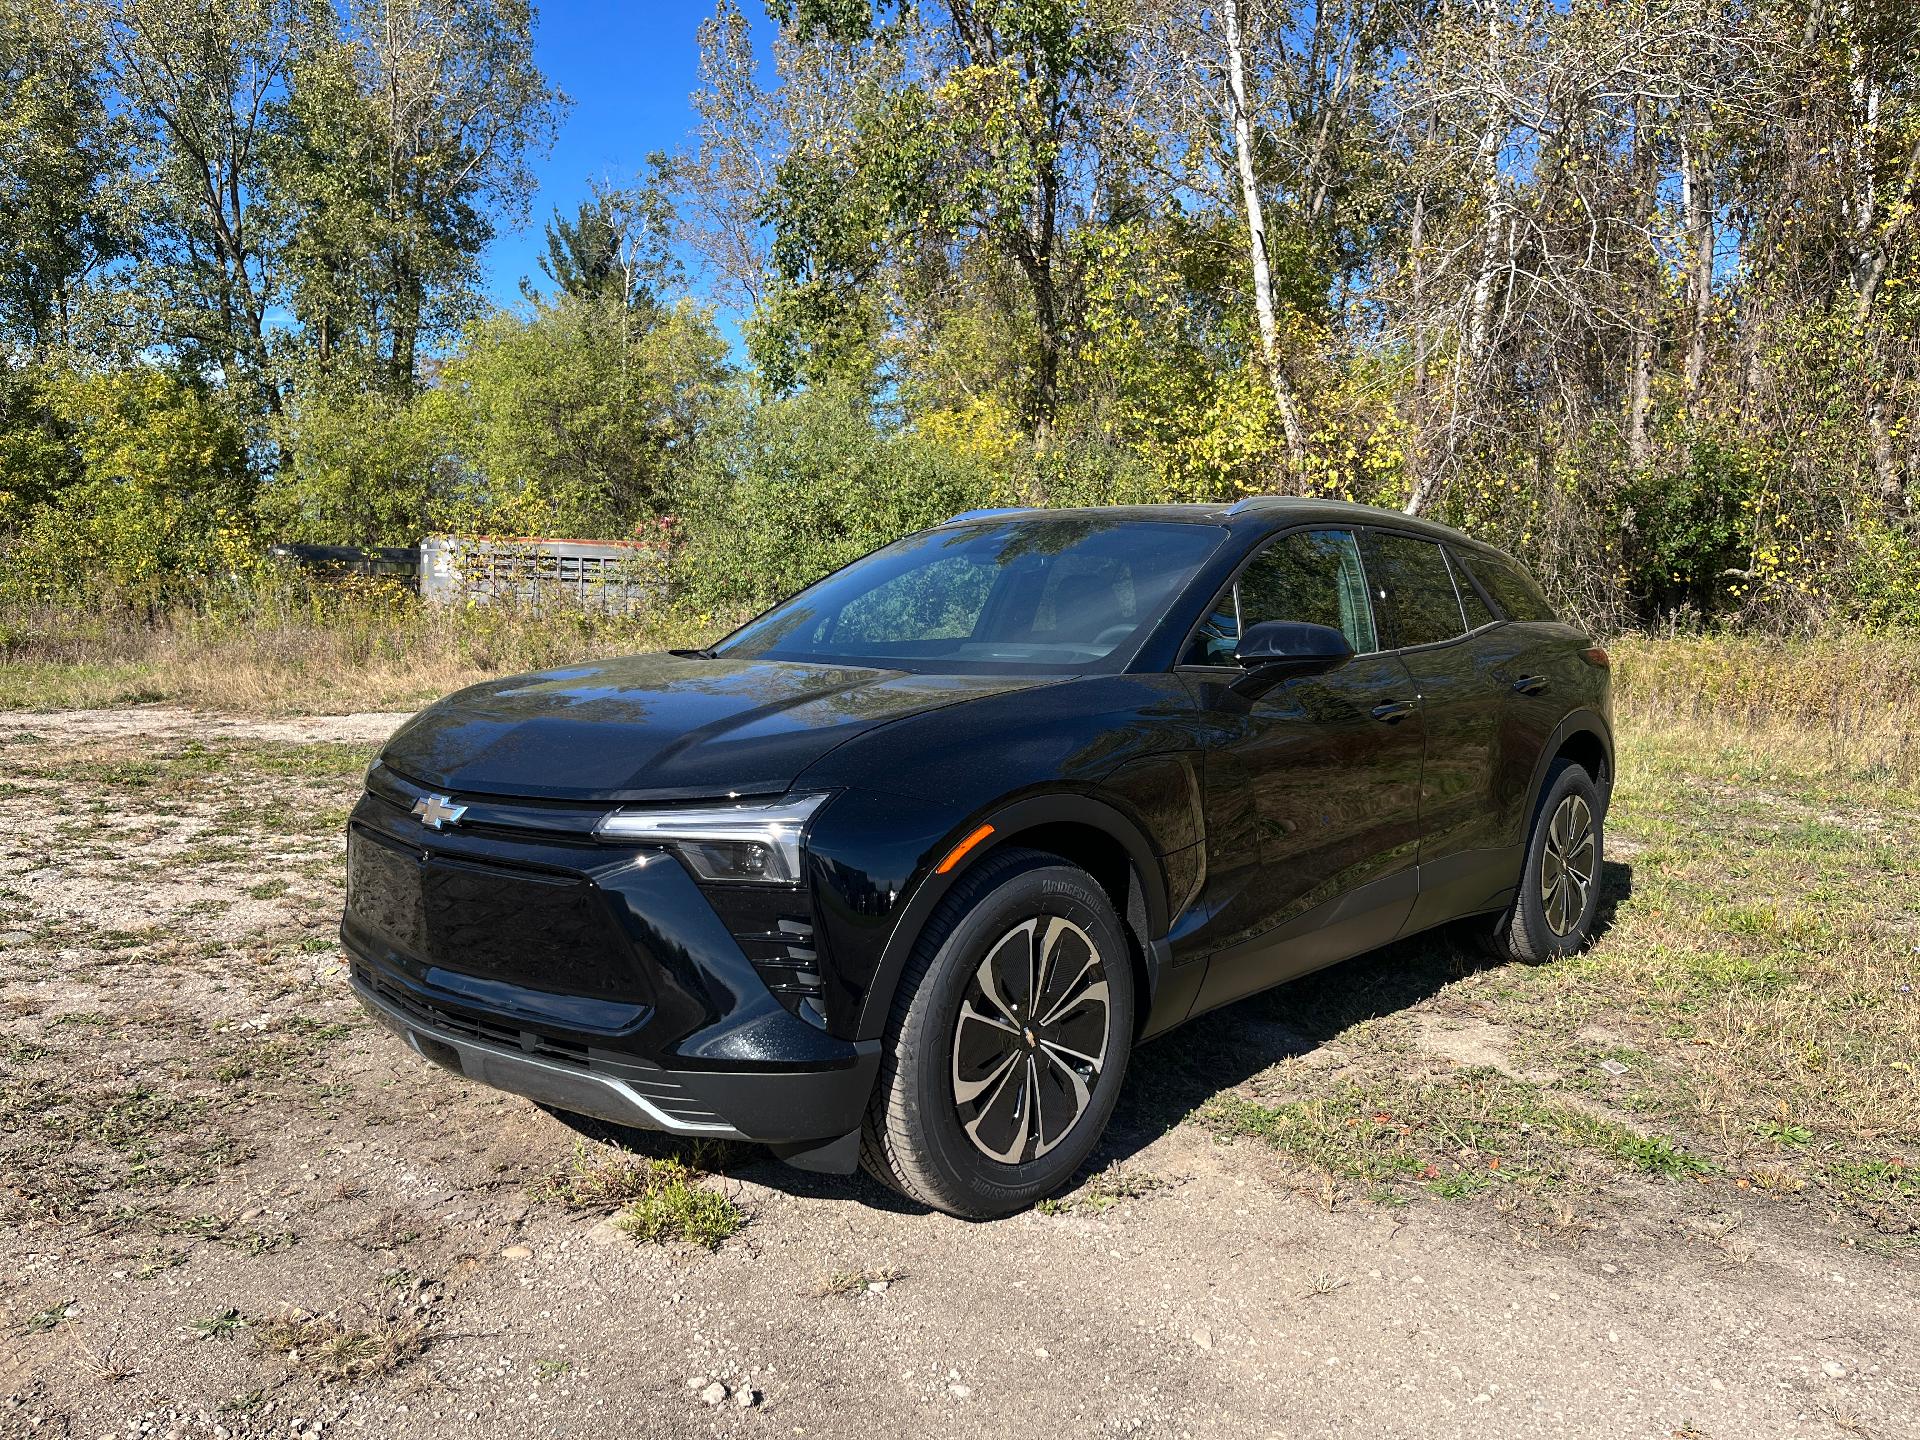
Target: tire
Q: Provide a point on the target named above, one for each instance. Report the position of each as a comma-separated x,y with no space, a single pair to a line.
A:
1547,921
944,1126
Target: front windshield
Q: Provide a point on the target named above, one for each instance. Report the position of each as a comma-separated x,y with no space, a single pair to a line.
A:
1027,592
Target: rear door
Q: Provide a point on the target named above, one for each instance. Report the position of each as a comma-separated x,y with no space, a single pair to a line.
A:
1445,633
1536,657
1312,782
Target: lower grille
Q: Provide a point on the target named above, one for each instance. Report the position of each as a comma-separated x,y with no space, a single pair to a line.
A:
786,960
541,1047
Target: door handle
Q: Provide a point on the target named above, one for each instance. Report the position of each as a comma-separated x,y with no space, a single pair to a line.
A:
1531,684
1394,711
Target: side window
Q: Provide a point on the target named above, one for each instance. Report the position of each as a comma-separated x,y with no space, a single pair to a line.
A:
1513,590
1312,575
1416,588
1477,612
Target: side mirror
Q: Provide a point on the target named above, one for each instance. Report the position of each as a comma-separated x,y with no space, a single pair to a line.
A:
1292,646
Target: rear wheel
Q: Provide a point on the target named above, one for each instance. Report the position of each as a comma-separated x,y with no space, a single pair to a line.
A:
1560,886
1007,1042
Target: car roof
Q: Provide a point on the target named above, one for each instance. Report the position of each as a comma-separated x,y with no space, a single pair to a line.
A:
1254,512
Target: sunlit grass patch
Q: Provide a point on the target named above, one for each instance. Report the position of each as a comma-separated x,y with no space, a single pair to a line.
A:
1456,1134
329,1350
659,1199
675,1206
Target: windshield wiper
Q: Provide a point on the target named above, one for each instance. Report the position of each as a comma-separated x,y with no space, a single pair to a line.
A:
693,654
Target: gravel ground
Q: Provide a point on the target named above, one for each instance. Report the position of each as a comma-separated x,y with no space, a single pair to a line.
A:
202,1146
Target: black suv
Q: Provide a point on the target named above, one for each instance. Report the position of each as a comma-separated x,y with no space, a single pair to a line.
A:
901,871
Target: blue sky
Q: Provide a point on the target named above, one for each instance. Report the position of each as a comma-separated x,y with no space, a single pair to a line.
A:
629,68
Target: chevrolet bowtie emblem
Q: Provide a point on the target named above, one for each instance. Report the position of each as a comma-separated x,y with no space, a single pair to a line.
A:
436,812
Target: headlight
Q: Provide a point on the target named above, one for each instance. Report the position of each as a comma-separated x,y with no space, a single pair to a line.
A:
755,840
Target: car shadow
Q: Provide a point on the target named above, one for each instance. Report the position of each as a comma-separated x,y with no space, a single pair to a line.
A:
1172,1076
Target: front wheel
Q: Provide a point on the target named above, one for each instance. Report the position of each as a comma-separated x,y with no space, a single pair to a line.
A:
1559,893
1007,1042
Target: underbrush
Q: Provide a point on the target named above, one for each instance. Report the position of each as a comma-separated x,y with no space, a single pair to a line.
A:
1845,702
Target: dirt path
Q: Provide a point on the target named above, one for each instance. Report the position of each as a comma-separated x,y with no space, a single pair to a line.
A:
199,1136
171,722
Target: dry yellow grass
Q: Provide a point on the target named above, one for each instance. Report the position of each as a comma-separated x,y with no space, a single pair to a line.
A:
1844,703
296,649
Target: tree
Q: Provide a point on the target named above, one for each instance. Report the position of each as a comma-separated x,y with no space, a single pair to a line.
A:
619,244
412,124
202,83
979,125
579,419
60,153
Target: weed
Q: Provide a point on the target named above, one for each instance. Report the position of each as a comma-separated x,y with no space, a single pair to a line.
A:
218,1327
49,1318
857,1282
593,1178
331,1351
1102,1191
674,1206
1657,1155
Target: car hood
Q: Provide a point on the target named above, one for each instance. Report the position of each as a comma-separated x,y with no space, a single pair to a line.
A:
660,727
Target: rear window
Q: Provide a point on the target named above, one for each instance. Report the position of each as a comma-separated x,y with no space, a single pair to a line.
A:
1512,589
1415,590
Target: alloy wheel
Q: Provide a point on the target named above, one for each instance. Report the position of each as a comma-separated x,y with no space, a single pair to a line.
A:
1567,865
1031,1039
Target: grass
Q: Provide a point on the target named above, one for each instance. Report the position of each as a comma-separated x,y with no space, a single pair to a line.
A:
285,646
1102,1191
329,1350
675,1206
857,1281
1748,1019
658,1200
1842,703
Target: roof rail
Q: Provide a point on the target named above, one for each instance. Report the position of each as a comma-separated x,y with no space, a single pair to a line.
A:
1250,502
983,514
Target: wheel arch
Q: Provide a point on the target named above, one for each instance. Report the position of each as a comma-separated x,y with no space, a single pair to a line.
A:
1082,830
1583,738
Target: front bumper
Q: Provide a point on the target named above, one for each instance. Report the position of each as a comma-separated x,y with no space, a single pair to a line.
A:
784,1108
596,978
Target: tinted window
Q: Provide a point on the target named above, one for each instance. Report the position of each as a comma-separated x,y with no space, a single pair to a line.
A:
1026,592
1411,579
1477,612
1312,575
1513,590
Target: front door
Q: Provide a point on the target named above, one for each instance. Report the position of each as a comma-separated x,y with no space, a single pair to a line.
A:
1313,781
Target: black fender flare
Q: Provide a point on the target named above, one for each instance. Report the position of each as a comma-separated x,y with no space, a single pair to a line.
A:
1580,722
1008,820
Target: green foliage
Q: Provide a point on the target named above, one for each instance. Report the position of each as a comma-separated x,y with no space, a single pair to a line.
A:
161,489
361,469
618,245
584,417
59,149
811,484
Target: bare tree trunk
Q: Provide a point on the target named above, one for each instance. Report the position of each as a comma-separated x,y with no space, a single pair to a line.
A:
1640,382
1263,305
1493,222
1697,202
